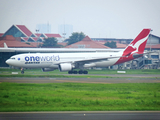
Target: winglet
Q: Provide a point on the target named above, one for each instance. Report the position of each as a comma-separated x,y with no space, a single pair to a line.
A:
5,45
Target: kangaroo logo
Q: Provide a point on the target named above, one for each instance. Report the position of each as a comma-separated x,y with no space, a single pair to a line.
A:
136,46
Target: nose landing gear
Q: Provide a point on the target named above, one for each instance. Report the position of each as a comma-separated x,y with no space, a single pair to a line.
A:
22,71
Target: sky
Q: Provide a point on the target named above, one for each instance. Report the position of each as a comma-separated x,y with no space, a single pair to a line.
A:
95,18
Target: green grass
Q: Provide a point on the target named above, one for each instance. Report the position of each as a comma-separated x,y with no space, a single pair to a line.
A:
79,97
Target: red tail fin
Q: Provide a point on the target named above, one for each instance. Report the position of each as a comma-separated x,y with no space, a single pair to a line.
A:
136,48
138,44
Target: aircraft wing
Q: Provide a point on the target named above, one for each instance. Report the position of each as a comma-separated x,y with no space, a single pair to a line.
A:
105,58
84,61
95,59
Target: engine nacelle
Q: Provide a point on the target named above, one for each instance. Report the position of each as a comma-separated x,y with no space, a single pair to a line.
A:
136,55
89,65
65,67
47,69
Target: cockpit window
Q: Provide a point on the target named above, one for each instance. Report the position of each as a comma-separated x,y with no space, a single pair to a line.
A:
12,58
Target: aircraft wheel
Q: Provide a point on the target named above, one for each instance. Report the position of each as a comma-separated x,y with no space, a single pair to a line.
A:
75,72
22,70
85,72
69,72
80,72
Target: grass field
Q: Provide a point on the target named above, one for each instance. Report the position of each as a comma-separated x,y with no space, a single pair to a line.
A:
79,97
57,73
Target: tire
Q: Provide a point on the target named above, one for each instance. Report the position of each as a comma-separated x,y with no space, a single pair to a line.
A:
80,72
75,72
70,72
85,72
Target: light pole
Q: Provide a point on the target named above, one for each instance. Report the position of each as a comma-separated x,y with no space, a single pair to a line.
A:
150,40
64,31
37,30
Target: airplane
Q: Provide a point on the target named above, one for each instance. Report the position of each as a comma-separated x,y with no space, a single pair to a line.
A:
70,61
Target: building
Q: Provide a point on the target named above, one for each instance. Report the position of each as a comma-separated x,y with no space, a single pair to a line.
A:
121,41
25,35
43,28
1,34
119,45
12,42
19,31
153,40
87,43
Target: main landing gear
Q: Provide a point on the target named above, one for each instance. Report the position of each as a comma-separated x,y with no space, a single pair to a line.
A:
78,72
22,71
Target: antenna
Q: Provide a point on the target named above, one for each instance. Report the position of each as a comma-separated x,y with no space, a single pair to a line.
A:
48,27
37,30
64,30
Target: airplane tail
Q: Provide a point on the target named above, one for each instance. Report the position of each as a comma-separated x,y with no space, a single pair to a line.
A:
136,48
138,44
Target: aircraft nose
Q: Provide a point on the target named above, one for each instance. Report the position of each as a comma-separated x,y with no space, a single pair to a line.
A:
8,61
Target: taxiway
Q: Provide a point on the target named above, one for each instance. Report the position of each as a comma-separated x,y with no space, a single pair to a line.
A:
116,79
82,115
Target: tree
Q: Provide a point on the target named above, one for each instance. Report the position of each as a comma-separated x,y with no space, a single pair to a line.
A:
111,44
76,37
50,42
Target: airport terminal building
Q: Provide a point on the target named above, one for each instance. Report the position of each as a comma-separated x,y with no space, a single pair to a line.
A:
19,39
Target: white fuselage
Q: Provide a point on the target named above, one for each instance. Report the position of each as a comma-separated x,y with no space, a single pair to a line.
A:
52,60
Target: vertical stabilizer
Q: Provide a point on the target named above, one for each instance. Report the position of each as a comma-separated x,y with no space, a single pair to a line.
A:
138,44
136,48
5,45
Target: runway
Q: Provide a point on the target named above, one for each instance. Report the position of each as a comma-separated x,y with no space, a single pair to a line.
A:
82,115
117,79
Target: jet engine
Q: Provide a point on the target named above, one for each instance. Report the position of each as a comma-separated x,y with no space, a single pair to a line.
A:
136,55
65,67
47,69
89,65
